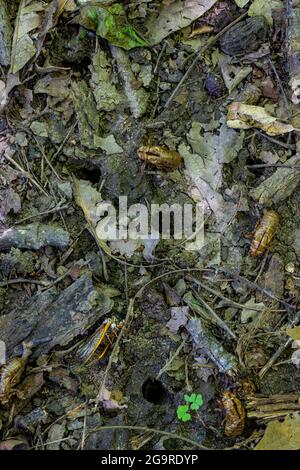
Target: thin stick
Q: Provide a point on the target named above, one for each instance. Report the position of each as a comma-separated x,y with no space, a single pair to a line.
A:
21,280
271,361
64,141
256,287
277,142
57,208
155,431
272,165
160,56
198,54
167,365
27,174
84,432
216,317
221,296
287,106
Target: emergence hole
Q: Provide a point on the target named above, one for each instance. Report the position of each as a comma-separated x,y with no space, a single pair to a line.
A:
153,391
90,174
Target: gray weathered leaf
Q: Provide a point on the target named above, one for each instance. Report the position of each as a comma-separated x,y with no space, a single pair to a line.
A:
23,48
178,15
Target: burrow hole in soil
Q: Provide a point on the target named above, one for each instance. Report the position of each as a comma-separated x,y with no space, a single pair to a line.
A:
153,391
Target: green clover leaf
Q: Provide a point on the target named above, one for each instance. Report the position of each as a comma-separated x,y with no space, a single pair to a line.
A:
190,398
196,400
182,413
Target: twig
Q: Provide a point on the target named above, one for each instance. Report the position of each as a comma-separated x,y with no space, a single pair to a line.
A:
64,141
84,431
57,208
199,53
27,174
155,431
277,142
160,56
287,106
221,296
167,365
272,165
256,287
271,361
21,280
216,317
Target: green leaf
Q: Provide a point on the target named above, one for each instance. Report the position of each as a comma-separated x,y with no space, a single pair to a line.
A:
182,413
190,398
110,23
197,402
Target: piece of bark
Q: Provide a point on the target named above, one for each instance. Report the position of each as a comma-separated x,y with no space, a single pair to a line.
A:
33,237
48,320
280,185
272,407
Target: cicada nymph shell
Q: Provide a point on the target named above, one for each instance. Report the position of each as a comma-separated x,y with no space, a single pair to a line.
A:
235,414
264,233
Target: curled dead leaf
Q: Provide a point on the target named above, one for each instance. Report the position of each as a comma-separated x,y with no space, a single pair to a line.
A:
245,116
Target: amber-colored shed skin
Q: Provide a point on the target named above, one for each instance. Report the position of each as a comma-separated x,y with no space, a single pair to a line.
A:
161,157
235,414
264,233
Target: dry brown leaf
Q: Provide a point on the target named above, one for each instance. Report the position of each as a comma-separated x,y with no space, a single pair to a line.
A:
282,435
246,116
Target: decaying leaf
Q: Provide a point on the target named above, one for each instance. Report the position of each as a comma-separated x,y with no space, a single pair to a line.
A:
245,116
179,317
28,20
87,198
178,15
295,358
110,400
279,186
110,23
204,165
126,247
87,114
137,98
65,5
106,94
9,201
282,435
264,8
30,386
294,333
232,74
241,3
251,316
